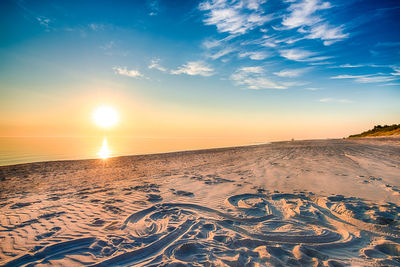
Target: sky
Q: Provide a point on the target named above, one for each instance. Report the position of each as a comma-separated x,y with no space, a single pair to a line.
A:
250,71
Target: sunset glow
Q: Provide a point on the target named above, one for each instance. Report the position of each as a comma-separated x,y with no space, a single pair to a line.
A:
271,70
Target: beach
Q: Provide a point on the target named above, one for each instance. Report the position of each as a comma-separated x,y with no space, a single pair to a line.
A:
294,203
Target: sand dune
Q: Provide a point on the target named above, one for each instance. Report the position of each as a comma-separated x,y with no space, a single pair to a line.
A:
302,203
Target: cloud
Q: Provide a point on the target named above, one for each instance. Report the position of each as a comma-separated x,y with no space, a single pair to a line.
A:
194,68
327,33
345,76
108,46
302,13
293,40
291,73
320,63
360,66
266,41
257,69
211,43
221,53
296,54
234,18
155,65
303,16
396,71
154,7
96,27
44,21
318,59
392,84
369,78
270,42
254,55
130,73
31,14
350,66
292,84
335,100
257,83
255,4
254,78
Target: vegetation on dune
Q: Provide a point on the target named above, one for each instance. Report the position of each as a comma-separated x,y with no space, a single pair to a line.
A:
379,130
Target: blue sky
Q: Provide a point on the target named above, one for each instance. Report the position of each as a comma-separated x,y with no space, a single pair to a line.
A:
259,65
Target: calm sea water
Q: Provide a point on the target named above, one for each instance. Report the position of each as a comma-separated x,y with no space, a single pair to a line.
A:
14,150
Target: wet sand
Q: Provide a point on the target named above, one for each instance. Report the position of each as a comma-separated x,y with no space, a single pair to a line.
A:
301,203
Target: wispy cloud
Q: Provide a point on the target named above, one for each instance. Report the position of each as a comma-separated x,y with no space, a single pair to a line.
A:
396,71
303,15
295,83
297,54
254,4
223,52
154,7
320,63
155,65
362,65
107,46
269,41
96,26
237,18
254,78
31,14
125,72
291,73
44,21
369,78
256,69
211,43
111,49
350,66
194,68
254,55
391,84
336,100
329,34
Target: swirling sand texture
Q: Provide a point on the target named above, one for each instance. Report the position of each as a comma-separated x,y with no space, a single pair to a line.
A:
311,203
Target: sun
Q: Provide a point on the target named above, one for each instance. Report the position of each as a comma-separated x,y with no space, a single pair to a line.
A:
105,116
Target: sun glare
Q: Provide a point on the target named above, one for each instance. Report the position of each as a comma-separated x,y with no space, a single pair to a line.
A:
104,152
105,116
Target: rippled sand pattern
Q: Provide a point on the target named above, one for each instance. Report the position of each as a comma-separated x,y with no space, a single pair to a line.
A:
305,203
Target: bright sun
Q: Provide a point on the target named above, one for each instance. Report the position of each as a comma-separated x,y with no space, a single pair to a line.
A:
105,116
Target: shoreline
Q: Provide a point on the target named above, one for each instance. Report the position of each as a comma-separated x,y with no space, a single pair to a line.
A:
172,152
389,137
212,149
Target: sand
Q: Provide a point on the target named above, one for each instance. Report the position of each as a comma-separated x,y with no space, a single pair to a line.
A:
301,203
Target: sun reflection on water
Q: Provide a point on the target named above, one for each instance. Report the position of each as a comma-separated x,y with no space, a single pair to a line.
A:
104,152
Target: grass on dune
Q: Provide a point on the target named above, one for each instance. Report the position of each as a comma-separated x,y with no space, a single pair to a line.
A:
379,130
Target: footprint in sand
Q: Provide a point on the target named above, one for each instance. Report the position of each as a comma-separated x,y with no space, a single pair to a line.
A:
276,228
385,253
182,193
113,209
154,198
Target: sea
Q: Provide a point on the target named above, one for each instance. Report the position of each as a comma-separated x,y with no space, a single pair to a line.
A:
17,150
